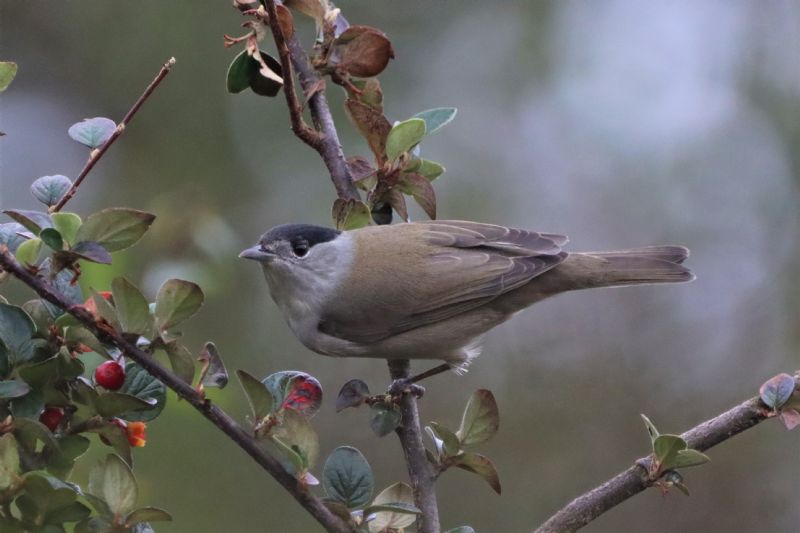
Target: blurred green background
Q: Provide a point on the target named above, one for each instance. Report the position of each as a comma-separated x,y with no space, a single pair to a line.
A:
620,123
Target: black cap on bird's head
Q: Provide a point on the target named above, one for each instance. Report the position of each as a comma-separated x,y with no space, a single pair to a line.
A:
298,238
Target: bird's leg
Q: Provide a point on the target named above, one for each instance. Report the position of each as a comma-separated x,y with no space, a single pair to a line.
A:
409,385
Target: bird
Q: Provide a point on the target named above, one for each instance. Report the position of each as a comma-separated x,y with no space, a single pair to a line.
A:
432,289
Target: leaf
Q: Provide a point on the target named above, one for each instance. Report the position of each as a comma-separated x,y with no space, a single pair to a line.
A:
111,404
64,454
16,329
393,507
8,70
29,406
117,438
480,420
295,431
420,188
404,136
651,429
113,481
790,418
104,309
777,390
362,51
361,170
115,228
64,282
215,375
311,8
52,238
350,214
481,465
461,529
295,390
139,383
666,448
147,514
687,458
181,360
67,225
13,388
50,189
76,335
384,419
33,221
239,71
397,202
132,308
267,79
347,477
258,395
9,461
372,124
429,169
436,118
177,300
450,444
92,132
28,251
92,251
352,394
10,235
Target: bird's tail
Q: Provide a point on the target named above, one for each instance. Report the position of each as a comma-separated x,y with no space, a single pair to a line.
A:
651,264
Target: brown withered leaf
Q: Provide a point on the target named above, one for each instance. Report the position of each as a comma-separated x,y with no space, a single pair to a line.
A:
285,20
398,203
360,168
372,125
313,8
362,51
371,93
421,189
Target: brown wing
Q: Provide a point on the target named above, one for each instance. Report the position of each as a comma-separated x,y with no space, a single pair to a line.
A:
459,266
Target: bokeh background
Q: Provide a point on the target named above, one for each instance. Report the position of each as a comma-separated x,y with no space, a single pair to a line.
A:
618,122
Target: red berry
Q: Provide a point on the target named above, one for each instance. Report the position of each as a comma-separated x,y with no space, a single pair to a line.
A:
51,417
110,375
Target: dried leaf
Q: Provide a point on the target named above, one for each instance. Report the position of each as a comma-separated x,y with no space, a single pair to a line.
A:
421,189
372,125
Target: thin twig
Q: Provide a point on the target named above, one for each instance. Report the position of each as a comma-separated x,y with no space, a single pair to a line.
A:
292,54
420,470
95,155
635,479
299,126
217,416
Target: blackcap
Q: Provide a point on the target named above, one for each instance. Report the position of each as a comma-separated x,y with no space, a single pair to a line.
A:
431,290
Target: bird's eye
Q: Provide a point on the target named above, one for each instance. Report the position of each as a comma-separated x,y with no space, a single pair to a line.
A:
300,249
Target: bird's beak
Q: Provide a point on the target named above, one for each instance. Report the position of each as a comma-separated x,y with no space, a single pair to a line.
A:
256,253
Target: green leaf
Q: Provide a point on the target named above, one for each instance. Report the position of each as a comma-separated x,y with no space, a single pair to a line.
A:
481,419
404,136
350,214
50,189
651,429
139,383
115,228
687,458
147,514
429,169
73,512
8,70
481,465
352,394
9,461
91,251
105,310
67,225
52,238
177,300
95,524
393,508
30,432
777,390
16,329
666,448
29,406
13,389
296,432
384,418
258,395
110,404
63,456
294,390
132,308
78,334
446,441
28,251
92,132
239,72
215,375
181,360
10,235
33,221
113,481
296,463
436,118
347,477
117,438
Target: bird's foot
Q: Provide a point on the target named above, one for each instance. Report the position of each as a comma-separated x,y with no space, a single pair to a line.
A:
406,386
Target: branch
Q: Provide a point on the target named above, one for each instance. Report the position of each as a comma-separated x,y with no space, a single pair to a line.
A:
95,155
420,469
217,416
326,140
635,479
